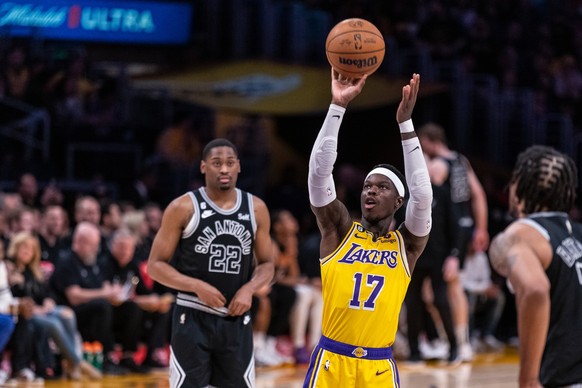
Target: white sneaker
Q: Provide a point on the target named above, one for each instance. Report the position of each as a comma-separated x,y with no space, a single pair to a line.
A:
493,343
466,352
435,350
265,358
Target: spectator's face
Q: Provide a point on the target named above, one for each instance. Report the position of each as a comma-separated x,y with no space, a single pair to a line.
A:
287,223
54,221
88,210
112,219
28,187
122,249
154,219
86,245
27,222
25,252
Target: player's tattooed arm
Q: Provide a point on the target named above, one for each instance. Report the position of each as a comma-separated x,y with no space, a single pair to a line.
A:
500,255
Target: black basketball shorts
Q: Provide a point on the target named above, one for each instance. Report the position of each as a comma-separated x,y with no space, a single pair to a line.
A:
210,350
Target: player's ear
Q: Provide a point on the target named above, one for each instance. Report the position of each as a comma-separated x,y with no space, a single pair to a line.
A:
203,167
398,203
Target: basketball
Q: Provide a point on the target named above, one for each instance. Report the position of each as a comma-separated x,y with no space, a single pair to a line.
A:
355,47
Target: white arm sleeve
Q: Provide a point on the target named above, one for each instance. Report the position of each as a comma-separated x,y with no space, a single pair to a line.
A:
419,209
323,155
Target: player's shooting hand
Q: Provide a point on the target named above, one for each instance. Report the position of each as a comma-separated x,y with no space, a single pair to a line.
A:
241,303
409,95
210,295
344,89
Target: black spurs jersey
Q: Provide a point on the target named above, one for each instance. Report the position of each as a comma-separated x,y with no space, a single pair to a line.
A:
458,182
562,359
217,244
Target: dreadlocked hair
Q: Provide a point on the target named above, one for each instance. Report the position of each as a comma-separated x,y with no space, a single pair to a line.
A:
546,180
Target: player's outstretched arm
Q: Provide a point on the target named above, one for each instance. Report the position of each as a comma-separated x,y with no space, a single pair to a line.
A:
418,221
332,216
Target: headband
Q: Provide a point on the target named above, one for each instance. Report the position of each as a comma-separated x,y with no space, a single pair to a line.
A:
390,175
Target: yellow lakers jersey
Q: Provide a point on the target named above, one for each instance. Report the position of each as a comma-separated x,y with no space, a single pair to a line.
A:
364,285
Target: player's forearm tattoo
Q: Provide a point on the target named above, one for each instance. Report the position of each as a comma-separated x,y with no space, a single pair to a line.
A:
499,255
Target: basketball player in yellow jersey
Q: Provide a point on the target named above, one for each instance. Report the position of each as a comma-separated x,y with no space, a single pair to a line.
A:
365,267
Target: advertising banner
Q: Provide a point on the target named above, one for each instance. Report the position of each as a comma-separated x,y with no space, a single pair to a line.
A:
98,20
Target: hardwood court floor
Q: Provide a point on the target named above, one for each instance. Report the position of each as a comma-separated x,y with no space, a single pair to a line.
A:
487,371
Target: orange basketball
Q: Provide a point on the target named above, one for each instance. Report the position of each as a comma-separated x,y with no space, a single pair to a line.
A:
355,47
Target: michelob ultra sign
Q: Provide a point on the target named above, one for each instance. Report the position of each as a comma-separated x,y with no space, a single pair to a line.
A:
98,20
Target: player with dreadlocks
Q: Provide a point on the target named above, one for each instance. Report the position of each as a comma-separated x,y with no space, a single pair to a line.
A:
541,255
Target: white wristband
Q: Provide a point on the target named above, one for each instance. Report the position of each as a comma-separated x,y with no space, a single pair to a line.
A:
406,126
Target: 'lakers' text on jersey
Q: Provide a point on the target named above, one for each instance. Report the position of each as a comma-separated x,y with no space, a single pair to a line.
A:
364,284
217,244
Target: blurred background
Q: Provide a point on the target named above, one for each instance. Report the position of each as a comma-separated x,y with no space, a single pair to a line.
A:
96,95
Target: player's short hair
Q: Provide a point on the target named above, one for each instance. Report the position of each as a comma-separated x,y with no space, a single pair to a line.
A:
432,132
546,179
220,142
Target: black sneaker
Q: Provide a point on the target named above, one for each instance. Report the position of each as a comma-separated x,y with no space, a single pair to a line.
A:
454,358
111,369
130,364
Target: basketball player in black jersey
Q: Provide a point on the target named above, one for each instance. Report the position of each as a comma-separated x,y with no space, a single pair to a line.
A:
541,255
217,238
453,171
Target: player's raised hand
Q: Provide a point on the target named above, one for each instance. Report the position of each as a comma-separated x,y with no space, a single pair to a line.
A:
409,95
344,89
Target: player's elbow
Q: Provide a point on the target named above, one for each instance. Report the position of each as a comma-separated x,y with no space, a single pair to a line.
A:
151,269
421,192
535,293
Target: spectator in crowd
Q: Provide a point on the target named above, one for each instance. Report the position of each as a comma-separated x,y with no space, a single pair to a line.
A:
135,222
110,218
305,315
486,301
265,347
153,215
121,268
179,144
27,188
80,282
16,73
23,219
58,321
54,227
143,188
30,355
88,209
52,195
8,313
